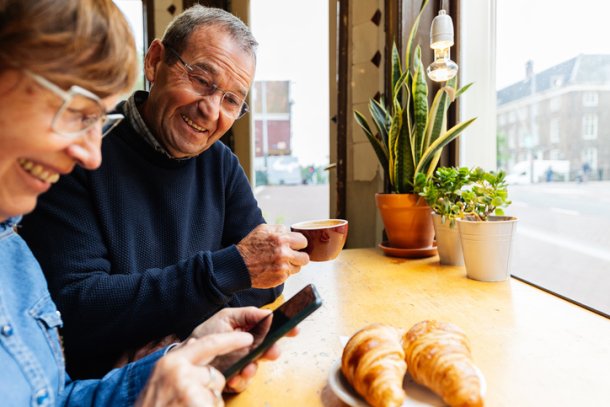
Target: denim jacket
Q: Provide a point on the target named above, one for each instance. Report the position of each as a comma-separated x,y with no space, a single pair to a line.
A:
32,371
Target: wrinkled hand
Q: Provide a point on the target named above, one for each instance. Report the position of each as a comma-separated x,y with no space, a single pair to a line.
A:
183,376
238,319
271,254
230,319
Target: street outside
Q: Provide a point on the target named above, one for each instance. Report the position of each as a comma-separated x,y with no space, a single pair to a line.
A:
562,241
288,204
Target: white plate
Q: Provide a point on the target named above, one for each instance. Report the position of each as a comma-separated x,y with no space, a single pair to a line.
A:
417,395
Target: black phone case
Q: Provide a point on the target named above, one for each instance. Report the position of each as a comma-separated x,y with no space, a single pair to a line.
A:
274,336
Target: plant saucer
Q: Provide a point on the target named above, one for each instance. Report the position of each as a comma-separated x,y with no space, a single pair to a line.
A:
408,253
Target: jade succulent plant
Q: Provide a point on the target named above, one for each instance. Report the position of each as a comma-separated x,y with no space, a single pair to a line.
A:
443,191
486,196
461,192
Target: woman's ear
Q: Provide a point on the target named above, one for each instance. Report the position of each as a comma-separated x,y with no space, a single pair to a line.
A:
154,57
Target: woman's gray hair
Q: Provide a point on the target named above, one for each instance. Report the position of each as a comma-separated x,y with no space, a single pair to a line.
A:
180,29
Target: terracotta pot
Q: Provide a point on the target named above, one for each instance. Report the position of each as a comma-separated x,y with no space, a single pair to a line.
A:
407,219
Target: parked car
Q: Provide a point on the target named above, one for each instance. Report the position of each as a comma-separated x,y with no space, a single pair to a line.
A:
534,171
283,170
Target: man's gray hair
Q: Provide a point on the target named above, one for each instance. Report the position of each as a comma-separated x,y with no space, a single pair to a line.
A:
180,29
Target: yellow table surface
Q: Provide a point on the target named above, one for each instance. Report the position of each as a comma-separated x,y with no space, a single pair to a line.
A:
533,348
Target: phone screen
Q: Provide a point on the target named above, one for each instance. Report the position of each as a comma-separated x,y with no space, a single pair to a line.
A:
271,328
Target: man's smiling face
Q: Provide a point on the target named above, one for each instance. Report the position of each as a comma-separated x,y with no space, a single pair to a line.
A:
184,122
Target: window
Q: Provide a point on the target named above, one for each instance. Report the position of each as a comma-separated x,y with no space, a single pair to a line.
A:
512,139
134,12
589,158
556,81
554,131
290,104
534,139
589,99
561,242
555,154
589,126
272,125
522,138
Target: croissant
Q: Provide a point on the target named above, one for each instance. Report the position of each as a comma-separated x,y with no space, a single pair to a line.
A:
373,363
438,356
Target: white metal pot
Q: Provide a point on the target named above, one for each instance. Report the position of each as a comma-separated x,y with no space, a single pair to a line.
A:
447,242
487,247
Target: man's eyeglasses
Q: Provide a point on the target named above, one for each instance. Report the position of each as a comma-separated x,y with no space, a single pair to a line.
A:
80,111
202,83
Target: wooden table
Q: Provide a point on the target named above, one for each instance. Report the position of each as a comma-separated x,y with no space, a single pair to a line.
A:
533,348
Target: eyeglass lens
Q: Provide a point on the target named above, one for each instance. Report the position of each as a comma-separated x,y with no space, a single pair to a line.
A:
78,115
112,120
230,103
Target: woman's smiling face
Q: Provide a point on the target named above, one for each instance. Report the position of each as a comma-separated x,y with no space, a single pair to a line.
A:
32,155
184,122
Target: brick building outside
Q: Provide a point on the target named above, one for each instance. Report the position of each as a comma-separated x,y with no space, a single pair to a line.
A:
561,113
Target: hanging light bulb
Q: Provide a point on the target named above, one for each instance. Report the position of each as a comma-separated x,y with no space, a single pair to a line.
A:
441,40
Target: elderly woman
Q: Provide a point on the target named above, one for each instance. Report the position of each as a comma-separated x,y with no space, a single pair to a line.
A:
63,64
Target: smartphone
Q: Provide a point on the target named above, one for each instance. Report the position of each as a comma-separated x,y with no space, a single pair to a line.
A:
271,328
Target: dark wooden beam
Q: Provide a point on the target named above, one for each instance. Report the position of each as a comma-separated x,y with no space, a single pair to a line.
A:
148,8
223,4
393,21
453,150
342,108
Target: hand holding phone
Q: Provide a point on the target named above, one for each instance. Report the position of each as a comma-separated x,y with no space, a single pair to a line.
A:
271,328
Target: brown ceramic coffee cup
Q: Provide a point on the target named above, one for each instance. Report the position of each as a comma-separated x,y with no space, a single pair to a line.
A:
325,237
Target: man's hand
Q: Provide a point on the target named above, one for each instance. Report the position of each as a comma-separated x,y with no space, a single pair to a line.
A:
271,254
183,376
229,320
237,319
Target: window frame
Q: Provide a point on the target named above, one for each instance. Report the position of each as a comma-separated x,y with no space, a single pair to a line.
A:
477,35
590,126
590,99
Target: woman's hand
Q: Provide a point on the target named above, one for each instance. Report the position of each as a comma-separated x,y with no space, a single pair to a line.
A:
184,377
239,319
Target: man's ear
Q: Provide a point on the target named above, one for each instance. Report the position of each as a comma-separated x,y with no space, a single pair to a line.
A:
154,57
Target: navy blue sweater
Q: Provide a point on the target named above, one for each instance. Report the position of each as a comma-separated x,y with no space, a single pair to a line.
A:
143,247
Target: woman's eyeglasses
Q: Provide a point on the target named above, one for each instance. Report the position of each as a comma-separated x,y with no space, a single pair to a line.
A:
80,111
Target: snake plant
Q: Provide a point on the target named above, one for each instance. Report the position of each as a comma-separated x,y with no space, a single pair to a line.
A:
411,133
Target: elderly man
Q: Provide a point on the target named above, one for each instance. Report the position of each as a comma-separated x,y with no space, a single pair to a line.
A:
167,231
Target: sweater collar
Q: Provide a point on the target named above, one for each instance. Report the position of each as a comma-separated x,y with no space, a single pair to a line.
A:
130,109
